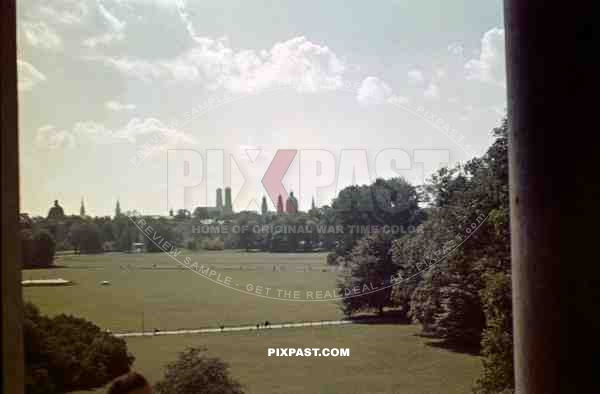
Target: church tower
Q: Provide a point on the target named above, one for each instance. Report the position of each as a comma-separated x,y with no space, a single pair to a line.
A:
118,210
220,199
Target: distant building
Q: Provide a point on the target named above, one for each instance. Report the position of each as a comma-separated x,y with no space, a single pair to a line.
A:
228,209
218,211
291,205
219,198
56,212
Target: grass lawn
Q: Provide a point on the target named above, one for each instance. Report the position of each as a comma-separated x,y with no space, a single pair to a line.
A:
383,359
153,287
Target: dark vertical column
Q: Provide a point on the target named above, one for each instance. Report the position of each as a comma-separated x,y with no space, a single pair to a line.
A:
550,96
10,280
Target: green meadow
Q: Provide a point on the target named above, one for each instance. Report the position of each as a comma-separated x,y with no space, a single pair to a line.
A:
152,291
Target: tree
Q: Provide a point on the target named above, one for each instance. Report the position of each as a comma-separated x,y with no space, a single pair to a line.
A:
86,238
465,298
391,202
201,213
44,248
183,214
65,353
164,233
37,248
82,209
497,342
195,372
246,222
371,269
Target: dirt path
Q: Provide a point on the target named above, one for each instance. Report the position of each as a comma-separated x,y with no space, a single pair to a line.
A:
235,328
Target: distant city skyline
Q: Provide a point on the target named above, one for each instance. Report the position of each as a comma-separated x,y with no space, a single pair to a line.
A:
102,83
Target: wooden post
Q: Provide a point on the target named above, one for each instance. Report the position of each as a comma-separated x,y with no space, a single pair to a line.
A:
539,121
10,279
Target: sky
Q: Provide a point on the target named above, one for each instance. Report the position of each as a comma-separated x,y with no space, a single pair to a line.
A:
108,88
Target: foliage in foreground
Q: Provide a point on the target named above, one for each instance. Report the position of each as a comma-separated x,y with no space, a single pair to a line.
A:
195,372
66,353
497,343
456,288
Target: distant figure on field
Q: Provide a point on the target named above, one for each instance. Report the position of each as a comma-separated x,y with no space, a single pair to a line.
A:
156,331
56,212
222,327
267,324
257,326
130,383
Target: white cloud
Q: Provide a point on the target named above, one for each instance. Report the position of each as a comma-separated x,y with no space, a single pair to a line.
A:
115,33
28,76
416,75
308,66
185,18
432,91
372,90
456,48
40,35
440,73
136,131
102,39
65,12
489,67
51,137
398,100
114,23
136,68
117,106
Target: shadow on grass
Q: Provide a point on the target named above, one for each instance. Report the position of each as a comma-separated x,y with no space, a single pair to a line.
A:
473,350
45,267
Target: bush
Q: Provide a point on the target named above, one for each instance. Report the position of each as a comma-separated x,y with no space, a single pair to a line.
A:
497,342
37,249
191,245
195,372
65,353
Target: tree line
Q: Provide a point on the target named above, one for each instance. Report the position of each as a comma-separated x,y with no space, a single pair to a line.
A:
454,267
457,291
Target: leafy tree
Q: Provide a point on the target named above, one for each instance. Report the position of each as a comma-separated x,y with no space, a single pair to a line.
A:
392,202
195,372
37,248
246,236
201,213
183,214
87,238
370,266
65,353
163,230
44,247
497,343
